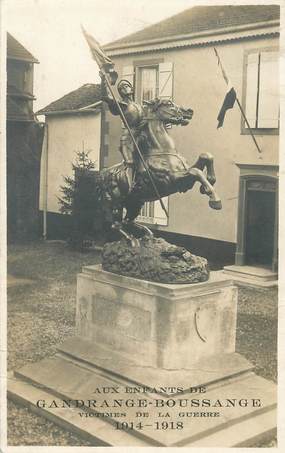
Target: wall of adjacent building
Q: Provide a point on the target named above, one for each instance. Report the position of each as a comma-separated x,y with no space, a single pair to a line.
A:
198,83
24,146
67,134
20,75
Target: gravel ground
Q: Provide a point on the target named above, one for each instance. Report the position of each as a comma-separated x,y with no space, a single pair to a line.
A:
257,334
257,329
42,314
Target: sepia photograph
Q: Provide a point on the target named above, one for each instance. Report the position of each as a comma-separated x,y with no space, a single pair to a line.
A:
140,225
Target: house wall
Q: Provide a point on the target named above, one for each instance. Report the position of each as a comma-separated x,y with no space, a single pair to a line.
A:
66,135
24,145
20,74
198,83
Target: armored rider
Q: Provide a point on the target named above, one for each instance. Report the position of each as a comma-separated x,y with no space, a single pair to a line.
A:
133,113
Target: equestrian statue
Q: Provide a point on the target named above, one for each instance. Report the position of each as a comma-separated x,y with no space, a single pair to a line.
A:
151,168
161,171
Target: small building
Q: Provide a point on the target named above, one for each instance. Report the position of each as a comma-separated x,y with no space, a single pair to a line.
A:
73,124
175,59
24,143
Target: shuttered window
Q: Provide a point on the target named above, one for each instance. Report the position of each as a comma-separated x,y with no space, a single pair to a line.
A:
165,80
152,81
262,90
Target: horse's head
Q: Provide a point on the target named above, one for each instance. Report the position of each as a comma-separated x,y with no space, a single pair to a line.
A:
169,113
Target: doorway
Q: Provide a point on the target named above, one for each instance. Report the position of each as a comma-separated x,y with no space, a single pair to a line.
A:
260,225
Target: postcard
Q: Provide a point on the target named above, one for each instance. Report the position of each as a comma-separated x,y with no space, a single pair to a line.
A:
141,211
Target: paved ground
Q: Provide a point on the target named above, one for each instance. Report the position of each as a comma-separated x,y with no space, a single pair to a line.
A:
41,314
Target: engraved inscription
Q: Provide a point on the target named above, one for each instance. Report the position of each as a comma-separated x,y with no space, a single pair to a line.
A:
123,318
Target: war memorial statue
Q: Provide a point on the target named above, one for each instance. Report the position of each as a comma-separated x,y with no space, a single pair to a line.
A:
151,169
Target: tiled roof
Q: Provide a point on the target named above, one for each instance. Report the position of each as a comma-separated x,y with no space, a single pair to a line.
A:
88,94
16,51
201,19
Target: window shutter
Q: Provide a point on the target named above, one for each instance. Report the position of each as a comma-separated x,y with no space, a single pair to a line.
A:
268,107
165,80
251,88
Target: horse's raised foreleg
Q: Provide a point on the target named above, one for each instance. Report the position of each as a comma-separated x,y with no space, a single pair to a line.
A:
215,201
206,160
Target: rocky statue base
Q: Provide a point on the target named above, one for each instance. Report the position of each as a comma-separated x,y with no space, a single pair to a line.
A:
156,260
153,364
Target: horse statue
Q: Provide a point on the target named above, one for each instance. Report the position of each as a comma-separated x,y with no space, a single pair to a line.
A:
170,172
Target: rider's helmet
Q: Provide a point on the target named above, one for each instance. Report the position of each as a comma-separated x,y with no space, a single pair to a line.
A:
124,87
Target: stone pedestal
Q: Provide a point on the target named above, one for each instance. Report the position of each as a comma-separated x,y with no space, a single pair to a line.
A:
149,353
154,324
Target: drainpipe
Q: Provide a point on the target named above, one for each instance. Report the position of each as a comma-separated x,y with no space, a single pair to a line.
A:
45,195
45,203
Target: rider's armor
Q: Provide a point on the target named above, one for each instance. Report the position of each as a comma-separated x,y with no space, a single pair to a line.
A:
133,113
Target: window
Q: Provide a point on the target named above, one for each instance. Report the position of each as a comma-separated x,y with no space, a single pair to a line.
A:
150,81
19,75
262,90
153,213
15,74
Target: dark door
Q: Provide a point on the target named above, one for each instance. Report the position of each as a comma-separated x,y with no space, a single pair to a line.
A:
260,227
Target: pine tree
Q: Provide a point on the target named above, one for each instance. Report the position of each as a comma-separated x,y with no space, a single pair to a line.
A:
81,166
80,201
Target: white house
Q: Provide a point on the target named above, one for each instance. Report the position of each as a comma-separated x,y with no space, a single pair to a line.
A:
175,58
73,123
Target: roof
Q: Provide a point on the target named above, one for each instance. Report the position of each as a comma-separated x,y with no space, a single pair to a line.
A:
85,96
15,51
201,19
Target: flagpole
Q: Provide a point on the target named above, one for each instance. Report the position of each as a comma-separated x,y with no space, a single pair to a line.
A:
225,77
248,125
